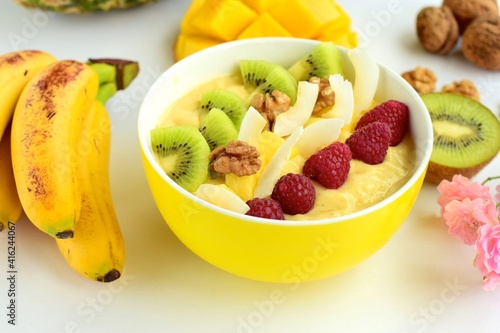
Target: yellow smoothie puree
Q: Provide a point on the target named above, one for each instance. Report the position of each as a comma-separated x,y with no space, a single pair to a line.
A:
365,185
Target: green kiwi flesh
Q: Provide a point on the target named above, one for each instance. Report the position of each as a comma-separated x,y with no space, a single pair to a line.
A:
324,60
466,135
267,77
279,79
182,151
218,129
254,72
226,100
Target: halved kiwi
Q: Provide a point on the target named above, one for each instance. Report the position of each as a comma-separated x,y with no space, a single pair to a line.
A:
218,129
226,100
466,136
324,60
183,153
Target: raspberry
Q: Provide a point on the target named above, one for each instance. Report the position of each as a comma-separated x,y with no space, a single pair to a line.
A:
393,113
330,166
295,193
370,142
266,208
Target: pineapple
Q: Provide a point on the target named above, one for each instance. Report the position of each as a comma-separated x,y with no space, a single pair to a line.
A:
244,186
81,6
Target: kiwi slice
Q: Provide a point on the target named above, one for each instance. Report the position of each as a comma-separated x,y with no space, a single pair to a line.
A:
226,100
324,60
254,72
218,129
466,136
183,153
260,76
279,79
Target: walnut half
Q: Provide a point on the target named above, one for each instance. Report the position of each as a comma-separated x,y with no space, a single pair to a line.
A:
423,80
465,88
236,157
271,105
326,95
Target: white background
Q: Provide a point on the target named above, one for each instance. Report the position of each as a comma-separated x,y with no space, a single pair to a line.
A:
421,281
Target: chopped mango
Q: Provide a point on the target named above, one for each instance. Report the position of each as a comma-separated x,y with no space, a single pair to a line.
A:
262,6
339,31
341,24
305,18
347,39
186,26
264,26
210,22
222,19
189,44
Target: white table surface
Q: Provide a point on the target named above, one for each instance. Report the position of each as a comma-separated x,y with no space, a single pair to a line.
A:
421,281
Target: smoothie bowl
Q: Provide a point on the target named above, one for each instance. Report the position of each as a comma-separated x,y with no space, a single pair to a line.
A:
347,221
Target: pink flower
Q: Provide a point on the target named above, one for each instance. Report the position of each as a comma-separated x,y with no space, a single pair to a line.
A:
498,193
460,188
465,217
487,259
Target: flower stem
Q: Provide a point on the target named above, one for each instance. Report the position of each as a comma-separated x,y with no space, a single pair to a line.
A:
489,179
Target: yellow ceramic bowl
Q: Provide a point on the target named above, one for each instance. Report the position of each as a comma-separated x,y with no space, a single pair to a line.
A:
275,251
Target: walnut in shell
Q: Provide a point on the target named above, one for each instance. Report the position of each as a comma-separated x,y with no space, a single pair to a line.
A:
466,11
481,42
437,29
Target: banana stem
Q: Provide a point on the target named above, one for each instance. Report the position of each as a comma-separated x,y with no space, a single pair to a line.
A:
106,91
105,72
126,70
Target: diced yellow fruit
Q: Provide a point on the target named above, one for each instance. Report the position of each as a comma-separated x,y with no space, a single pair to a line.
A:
244,186
348,39
187,44
340,24
222,19
339,31
261,6
264,26
210,22
305,18
186,24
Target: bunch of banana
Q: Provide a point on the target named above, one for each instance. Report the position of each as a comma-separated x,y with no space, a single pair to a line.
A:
16,69
60,135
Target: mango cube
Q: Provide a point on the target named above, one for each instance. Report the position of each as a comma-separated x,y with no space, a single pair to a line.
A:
222,19
264,26
347,38
189,44
186,23
262,6
305,18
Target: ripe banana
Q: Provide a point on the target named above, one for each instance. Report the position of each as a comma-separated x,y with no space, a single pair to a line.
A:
96,250
16,69
10,206
45,132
